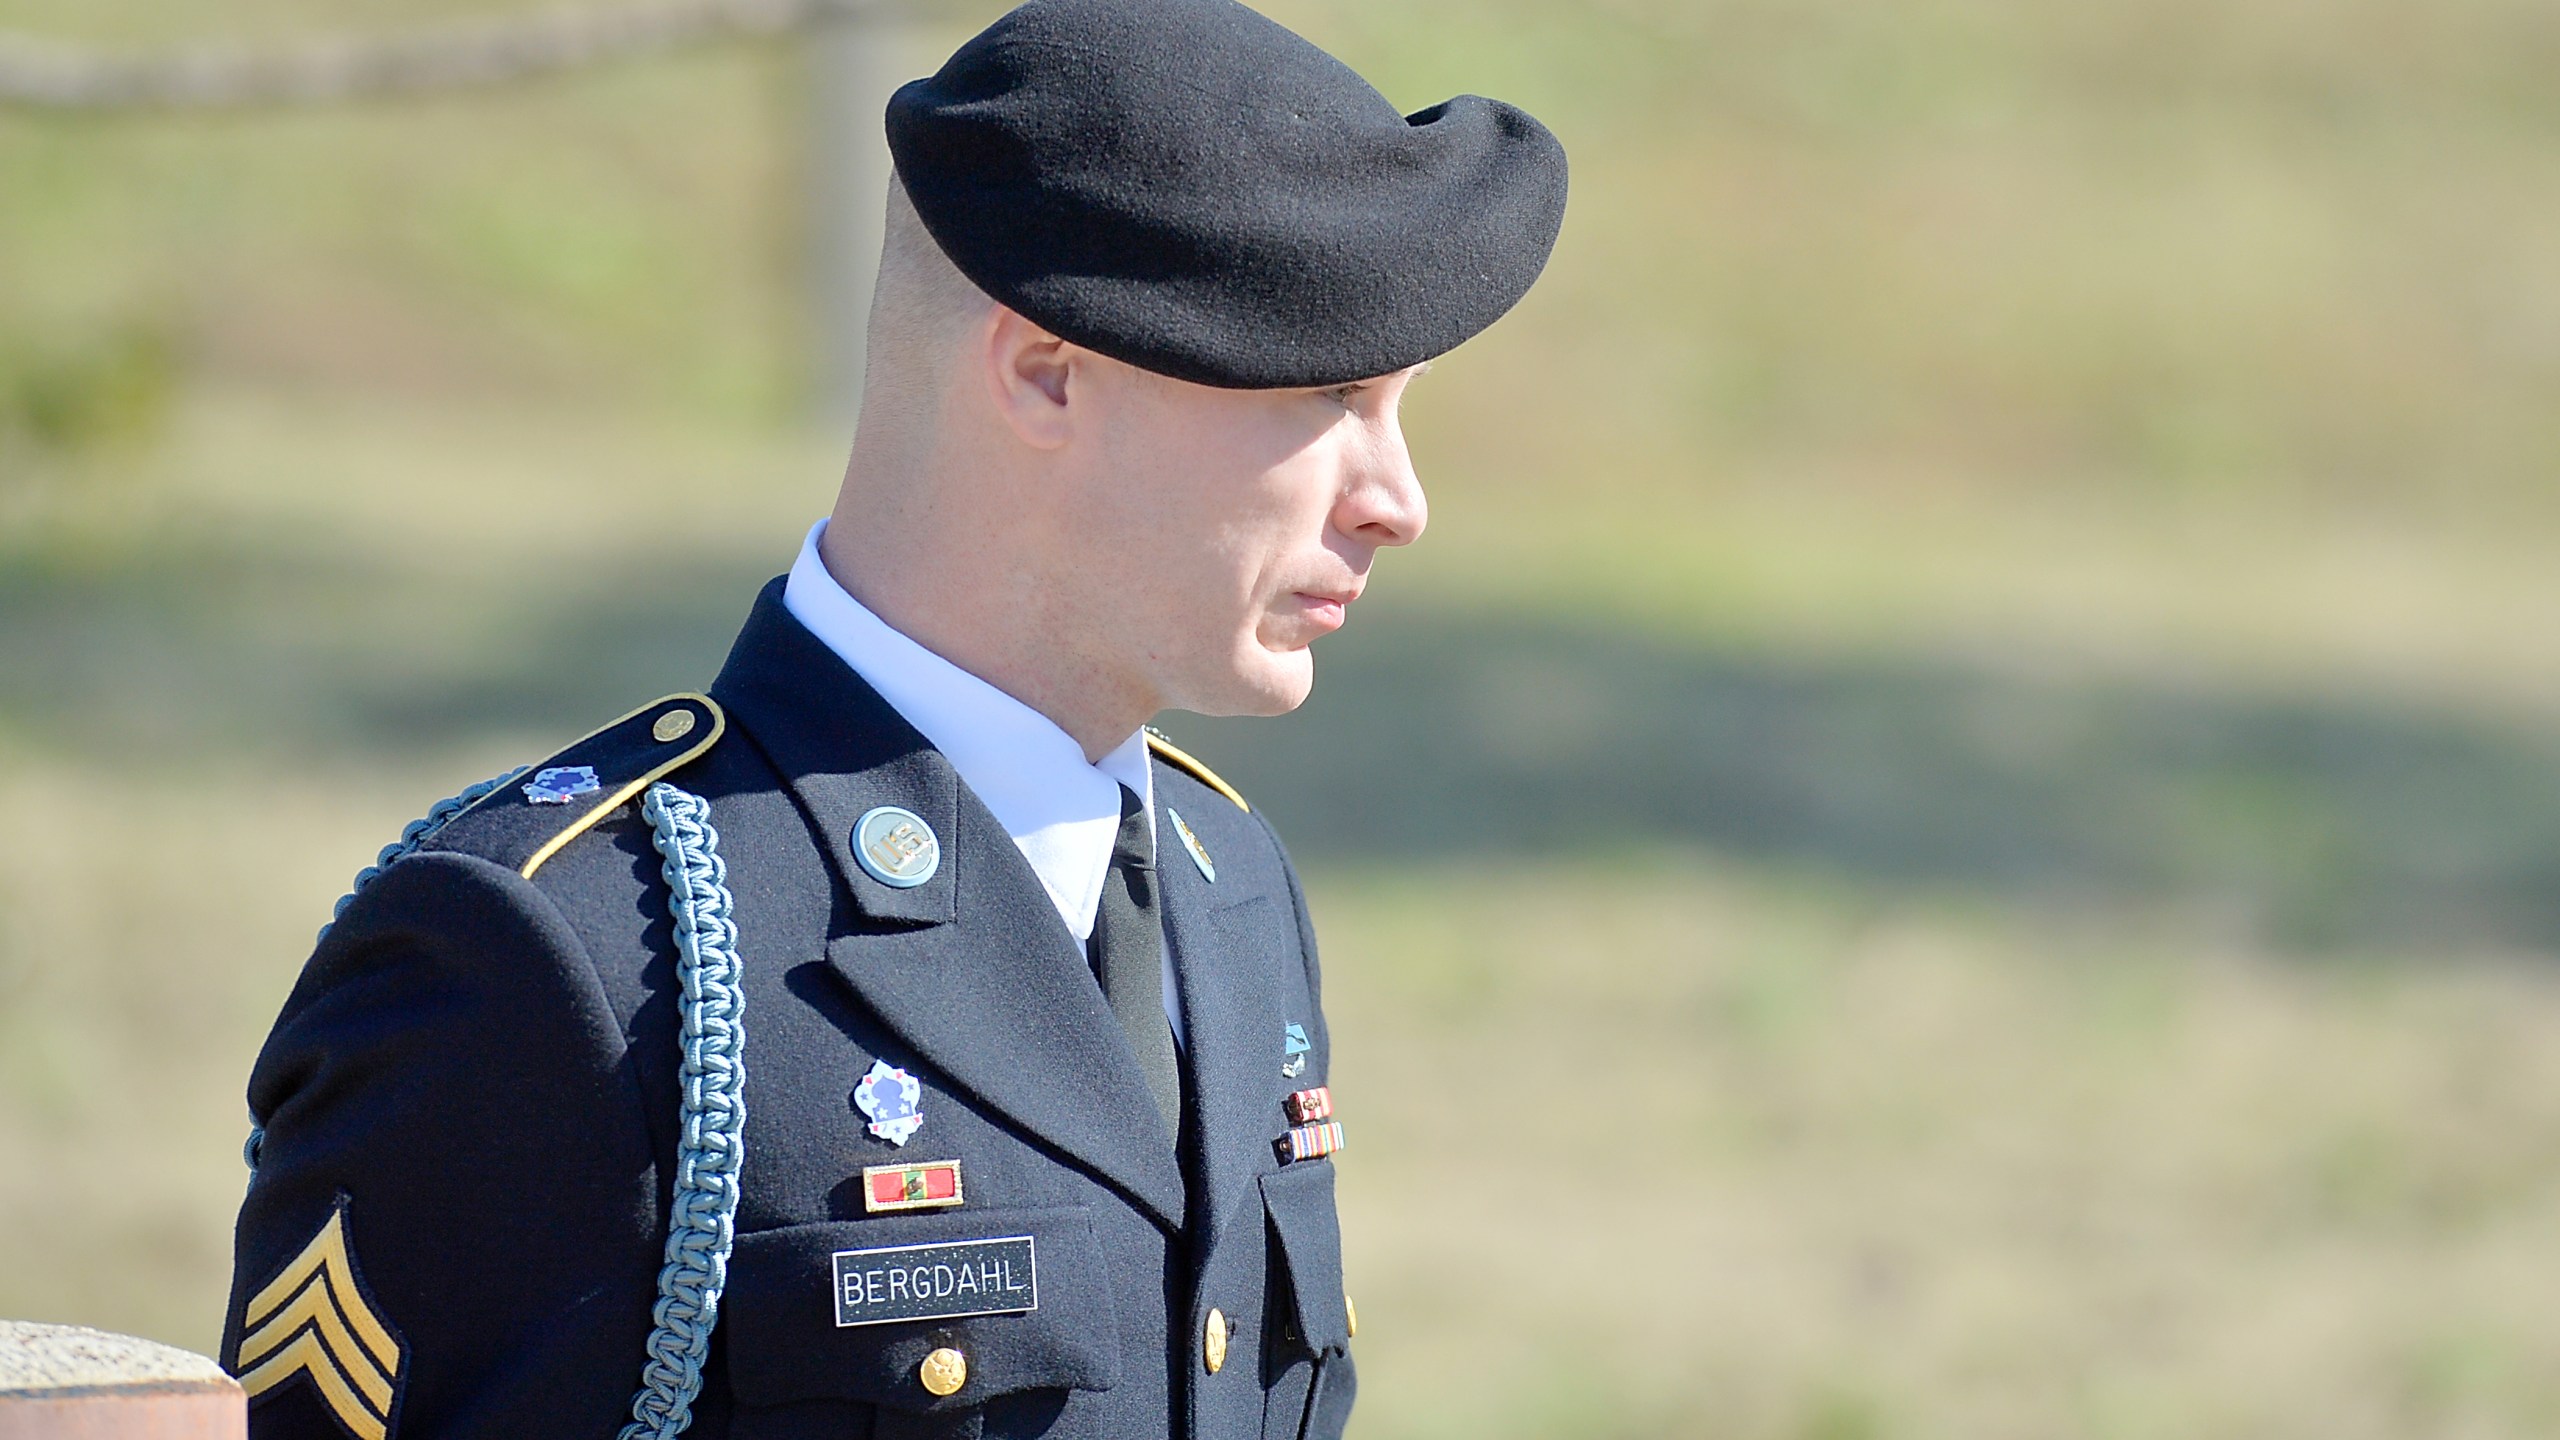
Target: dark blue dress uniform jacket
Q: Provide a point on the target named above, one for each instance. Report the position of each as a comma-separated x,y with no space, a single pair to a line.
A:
474,1087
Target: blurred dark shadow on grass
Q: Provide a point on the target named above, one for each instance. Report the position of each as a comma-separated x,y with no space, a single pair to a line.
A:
2312,823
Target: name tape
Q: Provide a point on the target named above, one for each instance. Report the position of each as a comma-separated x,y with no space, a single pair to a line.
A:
936,1282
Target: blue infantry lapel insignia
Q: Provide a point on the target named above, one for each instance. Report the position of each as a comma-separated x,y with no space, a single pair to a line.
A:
1191,842
896,846
893,1100
314,1320
1293,1051
561,784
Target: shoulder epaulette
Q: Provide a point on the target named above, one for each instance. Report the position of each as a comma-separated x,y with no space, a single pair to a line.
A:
527,821
1189,764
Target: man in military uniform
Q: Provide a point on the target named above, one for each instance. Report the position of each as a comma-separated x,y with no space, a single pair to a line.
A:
897,1039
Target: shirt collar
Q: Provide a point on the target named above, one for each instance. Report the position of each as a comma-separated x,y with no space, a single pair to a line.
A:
1062,812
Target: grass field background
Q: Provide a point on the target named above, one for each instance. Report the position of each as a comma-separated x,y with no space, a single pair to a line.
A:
1955,832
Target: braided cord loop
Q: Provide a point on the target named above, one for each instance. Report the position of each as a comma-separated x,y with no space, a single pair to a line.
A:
703,1221
413,835
703,1215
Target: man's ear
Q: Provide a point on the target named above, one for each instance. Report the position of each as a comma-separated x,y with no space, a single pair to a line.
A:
1031,375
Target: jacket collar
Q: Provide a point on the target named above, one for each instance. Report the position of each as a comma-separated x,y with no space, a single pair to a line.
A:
992,994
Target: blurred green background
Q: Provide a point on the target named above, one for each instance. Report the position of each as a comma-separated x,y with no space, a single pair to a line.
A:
1953,833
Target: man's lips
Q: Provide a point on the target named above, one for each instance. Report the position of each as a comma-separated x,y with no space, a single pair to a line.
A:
1325,609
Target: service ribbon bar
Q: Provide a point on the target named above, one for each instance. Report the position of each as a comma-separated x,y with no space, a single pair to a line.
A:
1309,1142
932,1185
1309,1106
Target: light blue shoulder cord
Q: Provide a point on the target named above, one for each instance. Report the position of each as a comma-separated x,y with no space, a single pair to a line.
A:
712,1011
703,1216
413,835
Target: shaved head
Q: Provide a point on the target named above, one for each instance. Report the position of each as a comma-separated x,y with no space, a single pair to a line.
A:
923,310
1098,540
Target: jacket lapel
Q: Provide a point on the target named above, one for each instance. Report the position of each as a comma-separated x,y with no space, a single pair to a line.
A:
1228,969
972,968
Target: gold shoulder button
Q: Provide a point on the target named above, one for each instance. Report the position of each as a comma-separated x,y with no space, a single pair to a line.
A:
1184,761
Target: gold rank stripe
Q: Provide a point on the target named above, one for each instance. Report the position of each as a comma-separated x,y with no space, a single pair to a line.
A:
312,1320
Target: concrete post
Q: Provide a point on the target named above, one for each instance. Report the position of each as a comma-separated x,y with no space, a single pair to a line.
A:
60,1382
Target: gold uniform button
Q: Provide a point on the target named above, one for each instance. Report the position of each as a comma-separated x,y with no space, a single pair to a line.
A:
944,1371
1213,1341
1351,1313
674,725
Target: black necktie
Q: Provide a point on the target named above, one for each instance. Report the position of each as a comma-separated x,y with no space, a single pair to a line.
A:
1128,956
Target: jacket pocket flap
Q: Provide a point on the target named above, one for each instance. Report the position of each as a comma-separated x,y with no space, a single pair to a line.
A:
850,1309
1300,1202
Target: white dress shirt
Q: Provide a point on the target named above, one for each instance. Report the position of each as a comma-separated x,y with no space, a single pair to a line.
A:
1062,811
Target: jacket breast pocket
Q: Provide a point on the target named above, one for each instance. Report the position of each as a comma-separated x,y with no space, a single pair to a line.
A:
1310,1326
927,1320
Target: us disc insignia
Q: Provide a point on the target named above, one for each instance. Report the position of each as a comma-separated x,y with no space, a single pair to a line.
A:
896,847
892,1100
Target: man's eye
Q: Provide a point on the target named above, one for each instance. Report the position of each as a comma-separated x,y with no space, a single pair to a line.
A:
1345,394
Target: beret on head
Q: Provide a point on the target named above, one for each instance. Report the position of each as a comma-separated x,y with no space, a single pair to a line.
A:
1187,186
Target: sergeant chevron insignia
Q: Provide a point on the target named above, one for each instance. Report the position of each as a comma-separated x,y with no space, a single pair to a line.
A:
315,1321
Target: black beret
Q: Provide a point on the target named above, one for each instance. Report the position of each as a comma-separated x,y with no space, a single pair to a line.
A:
1192,188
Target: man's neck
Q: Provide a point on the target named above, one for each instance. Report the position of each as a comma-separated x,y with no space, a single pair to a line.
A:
982,624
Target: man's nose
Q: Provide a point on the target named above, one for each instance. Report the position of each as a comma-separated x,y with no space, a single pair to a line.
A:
1383,503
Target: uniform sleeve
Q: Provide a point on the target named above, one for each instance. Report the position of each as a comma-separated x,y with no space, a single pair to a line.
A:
453,1224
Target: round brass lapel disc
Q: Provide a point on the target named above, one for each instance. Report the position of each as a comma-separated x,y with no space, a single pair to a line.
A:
944,1371
896,847
1213,1342
674,725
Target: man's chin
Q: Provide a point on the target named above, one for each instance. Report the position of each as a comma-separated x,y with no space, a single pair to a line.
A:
1268,682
